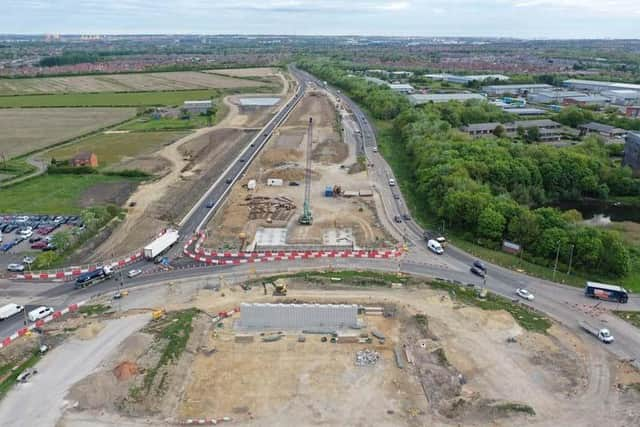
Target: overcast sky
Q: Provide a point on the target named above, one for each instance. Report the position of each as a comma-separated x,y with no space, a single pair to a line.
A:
512,18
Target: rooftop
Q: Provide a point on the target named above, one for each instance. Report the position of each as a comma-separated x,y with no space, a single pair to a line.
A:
518,86
600,127
443,97
616,85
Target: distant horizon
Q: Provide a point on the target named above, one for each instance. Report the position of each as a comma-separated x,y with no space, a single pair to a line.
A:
492,38
520,19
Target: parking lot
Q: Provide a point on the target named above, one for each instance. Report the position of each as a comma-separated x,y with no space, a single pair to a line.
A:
23,236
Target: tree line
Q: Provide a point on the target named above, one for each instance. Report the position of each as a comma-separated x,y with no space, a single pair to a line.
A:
491,189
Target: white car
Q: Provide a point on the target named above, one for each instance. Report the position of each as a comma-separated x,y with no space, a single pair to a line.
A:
435,247
40,313
28,260
27,233
133,273
523,293
16,267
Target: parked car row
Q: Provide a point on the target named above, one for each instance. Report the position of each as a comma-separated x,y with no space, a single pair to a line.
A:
10,223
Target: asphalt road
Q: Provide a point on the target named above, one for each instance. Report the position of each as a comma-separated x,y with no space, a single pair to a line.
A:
197,218
566,304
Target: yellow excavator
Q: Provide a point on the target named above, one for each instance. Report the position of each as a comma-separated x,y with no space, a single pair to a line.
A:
279,287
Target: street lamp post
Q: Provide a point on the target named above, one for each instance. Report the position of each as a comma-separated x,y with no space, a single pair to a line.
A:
555,266
570,260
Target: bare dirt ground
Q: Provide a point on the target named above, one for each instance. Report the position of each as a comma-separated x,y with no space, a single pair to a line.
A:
459,370
284,158
110,192
189,165
245,72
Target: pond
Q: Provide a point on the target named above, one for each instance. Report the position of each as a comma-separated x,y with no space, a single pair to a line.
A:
615,211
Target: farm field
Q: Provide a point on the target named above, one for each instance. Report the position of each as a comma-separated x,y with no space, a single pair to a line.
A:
122,83
146,123
112,148
24,131
57,194
245,72
107,99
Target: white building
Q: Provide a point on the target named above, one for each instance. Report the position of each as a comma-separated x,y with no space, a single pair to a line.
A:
453,78
598,86
623,96
418,99
402,88
198,107
552,96
515,89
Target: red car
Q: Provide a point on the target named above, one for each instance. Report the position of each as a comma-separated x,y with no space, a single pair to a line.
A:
44,230
39,245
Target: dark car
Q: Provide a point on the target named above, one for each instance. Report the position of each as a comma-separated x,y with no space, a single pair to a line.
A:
228,181
49,247
210,204
478,272
396,196
35,239
41,244
397,219
242,160
478,264
406,217
294,183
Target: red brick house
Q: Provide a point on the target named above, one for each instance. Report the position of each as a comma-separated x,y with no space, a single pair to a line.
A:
85,159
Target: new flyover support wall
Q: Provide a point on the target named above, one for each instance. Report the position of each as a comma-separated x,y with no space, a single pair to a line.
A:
298,316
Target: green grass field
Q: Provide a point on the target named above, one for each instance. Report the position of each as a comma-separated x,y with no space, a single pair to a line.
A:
50,194
112,148
107,99
148,124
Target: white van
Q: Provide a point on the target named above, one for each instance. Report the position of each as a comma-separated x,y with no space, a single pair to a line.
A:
40,313
392,182
435,247
10,310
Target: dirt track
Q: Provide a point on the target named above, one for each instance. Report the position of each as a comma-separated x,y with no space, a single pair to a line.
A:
568,380
195,162
284,158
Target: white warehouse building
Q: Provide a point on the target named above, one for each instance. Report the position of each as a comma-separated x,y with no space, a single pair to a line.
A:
298,316
599,86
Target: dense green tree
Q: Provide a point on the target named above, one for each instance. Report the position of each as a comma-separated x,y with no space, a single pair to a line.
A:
491,224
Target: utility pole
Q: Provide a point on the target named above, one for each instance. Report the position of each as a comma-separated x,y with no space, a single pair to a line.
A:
555,267
570,260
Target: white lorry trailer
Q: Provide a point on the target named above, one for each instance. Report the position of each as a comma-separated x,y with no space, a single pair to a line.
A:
161,244
9,310
602,334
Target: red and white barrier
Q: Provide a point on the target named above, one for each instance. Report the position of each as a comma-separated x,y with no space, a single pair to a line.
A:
204,421
72,272
55,315
232,258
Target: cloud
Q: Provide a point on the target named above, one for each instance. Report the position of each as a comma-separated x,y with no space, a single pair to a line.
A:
606,7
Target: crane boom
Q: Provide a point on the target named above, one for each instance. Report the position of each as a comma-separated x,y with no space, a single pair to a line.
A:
307,217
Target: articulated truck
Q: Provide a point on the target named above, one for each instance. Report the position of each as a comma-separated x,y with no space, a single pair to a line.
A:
161,244
92,277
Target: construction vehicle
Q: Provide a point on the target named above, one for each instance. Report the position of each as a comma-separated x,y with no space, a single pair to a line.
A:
157,314
307,217
279,288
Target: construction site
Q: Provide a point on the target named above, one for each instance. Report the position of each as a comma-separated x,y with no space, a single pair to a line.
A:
308,188
326,351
